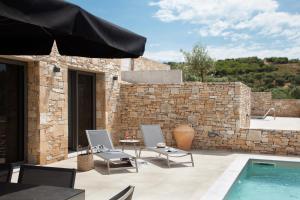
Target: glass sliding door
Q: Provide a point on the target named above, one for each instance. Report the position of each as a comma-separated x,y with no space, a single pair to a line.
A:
81,107
12,112
85,107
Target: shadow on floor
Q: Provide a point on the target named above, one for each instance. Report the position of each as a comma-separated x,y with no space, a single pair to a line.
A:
101,167
213,152
162,162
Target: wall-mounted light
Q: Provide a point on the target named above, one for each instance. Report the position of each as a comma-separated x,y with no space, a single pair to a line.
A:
56,69
115,78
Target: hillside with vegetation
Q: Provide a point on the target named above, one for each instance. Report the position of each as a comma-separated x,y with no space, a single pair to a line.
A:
281,76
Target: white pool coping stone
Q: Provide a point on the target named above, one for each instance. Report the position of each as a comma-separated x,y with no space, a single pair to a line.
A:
223,184
280,123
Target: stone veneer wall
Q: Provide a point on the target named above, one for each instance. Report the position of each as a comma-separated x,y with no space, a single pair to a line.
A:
262,101
281,142
223,108
144,64
205,106
245,106
48,101
287,107
33,113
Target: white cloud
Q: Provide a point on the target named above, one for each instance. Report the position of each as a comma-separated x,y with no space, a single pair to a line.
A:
222,52
275,24
231,18
229,51
238,21
205,11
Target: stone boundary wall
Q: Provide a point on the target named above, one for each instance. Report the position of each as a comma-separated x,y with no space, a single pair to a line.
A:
280,142
145,64
261,102
205,106
219,113
245,106
153,76
287,107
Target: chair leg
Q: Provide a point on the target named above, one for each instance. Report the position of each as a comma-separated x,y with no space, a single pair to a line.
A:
140,152
192,159
108,167
135,150
136,165
168,161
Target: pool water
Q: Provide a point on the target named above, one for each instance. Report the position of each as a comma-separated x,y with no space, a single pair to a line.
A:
264,180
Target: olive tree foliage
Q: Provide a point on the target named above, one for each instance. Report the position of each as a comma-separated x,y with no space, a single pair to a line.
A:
198,64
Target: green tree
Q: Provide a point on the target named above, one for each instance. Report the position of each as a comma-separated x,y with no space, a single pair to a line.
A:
198,62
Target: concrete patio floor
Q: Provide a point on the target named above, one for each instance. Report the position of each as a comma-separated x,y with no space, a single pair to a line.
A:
154,180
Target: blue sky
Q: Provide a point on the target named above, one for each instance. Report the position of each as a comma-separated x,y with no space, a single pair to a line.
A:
228,28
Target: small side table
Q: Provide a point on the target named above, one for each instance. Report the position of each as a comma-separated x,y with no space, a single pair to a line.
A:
133,142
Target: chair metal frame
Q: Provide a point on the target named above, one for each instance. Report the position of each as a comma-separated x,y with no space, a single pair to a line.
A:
24,167
125,194
162,151
9,168
108,157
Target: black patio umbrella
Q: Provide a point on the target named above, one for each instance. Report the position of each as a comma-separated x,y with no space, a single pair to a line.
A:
29,27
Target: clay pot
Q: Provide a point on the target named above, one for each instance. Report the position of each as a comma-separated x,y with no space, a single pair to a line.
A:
184,135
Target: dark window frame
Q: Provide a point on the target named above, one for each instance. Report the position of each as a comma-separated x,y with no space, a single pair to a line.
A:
73,119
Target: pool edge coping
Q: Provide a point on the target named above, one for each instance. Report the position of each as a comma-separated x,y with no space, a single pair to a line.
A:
222,185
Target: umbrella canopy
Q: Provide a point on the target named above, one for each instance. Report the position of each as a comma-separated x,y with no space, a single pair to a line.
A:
29,27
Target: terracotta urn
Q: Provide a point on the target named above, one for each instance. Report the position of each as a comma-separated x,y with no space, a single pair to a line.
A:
184,135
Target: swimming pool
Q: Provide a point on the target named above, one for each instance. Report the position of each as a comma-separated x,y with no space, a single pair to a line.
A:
267,179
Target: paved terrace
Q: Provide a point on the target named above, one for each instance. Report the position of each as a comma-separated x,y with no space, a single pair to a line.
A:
154,180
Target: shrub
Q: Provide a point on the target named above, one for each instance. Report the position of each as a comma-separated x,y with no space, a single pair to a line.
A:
295,92
281,93
297,79
278,60
294,61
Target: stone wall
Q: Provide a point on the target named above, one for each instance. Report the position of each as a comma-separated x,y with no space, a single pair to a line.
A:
287,107
153,76
280,142
205,106
261,102
54,99
33,116
219,113
145,64
245,106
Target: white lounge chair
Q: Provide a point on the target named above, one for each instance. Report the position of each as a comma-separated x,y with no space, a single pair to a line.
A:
153,135
101,145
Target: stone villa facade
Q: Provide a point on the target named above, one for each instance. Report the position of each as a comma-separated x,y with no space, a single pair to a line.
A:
219,112
46,137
